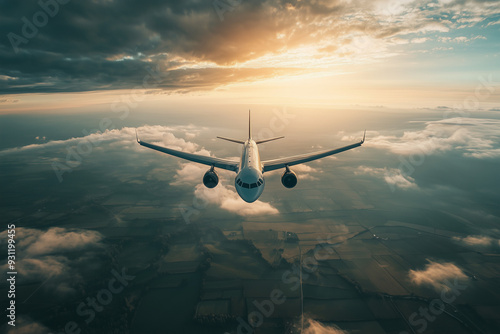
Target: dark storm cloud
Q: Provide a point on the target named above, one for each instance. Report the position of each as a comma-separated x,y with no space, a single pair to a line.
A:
110,44
105,44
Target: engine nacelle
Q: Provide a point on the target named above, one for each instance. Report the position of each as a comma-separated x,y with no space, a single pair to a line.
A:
289,179
211,179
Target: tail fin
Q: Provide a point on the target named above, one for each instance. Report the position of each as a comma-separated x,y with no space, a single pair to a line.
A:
249,126
249,133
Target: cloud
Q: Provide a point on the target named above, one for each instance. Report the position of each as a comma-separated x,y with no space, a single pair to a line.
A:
460,39
55,240
43,267
304,172
392,176
492,23
474,137
437,275
227,199
197,48
190,173
34,242
161,135
315,327
26,325
478,240
45,256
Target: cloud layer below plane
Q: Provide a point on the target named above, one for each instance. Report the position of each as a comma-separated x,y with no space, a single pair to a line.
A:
189,173
474,137
227,198
124,136
437,275
224,196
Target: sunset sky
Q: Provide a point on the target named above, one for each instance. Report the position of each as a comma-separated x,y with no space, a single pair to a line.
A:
324,53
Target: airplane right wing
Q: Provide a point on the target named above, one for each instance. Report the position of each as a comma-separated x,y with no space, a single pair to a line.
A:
270,165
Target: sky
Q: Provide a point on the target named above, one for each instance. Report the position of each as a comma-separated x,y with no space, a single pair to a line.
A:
339,52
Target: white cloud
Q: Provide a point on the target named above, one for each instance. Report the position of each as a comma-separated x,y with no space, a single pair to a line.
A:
304,172
392,176
43,267
306,169
56,240
43,255
460,39
492,23
437,275
419,40
189,173
227,198
475,137
124,136
478,240
484,154
315,327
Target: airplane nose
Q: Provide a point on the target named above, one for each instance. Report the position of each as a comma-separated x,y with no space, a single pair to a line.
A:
249,184
249,198
249,195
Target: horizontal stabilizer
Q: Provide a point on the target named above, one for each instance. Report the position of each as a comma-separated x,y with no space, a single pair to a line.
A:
232,140
266,140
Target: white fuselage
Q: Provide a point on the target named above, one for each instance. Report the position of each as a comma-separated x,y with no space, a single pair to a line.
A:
249,181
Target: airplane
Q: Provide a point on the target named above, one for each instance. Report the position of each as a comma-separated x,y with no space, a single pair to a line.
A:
249,180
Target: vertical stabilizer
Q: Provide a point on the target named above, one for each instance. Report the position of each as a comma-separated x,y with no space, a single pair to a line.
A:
249,125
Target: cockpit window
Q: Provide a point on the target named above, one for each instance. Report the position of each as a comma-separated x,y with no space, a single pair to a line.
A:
249,185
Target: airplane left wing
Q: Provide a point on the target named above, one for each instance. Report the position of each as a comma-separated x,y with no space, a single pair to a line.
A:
270,165
201,159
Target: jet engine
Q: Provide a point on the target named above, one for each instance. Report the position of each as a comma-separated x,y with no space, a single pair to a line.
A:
211,179
289,178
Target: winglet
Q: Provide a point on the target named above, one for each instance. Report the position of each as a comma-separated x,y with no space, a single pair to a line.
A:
137,137
364,135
